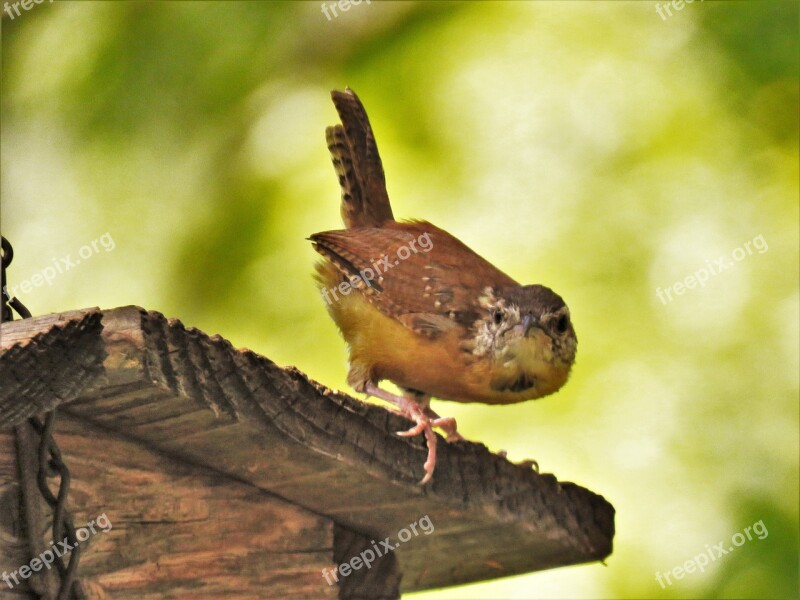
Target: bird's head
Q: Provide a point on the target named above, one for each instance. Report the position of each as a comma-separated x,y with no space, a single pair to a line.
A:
527,332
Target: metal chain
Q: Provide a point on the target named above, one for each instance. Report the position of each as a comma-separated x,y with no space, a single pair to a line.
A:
6,314
50,465
50,462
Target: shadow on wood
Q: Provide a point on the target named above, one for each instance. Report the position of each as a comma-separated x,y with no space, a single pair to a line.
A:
224,473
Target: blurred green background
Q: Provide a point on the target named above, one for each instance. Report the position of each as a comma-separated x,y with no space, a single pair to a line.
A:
599,148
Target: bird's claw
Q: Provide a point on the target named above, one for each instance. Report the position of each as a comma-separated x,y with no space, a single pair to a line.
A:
416,429
424,425
425,420
448,425
528,463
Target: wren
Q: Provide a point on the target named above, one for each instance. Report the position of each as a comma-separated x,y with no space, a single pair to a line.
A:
417,307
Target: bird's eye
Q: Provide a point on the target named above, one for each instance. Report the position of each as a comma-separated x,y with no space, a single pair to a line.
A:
497,316
562,324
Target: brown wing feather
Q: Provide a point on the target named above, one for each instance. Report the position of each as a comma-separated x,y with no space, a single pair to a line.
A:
424,287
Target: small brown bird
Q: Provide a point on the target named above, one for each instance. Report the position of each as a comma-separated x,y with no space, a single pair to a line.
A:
419,308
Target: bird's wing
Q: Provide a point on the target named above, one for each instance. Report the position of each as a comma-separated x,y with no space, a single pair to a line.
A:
413,272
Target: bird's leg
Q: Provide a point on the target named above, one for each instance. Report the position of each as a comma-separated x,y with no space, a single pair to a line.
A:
415,411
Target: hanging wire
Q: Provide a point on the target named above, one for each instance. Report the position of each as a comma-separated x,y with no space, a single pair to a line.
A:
50,462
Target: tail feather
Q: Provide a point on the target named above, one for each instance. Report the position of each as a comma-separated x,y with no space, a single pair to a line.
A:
365,201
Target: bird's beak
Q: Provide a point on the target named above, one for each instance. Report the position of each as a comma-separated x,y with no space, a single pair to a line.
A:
524,327
527,324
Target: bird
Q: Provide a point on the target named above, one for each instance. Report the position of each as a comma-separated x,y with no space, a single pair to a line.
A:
419,308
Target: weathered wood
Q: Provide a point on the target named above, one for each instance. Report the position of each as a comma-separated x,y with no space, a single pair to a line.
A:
381,581
35,509
14,550
64,353
173,530
198,400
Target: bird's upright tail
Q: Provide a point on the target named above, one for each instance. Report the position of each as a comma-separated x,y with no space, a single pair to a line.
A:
365,202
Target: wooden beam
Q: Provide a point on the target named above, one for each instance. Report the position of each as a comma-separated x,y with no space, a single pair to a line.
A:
65,352
14,548
198,400
166,529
